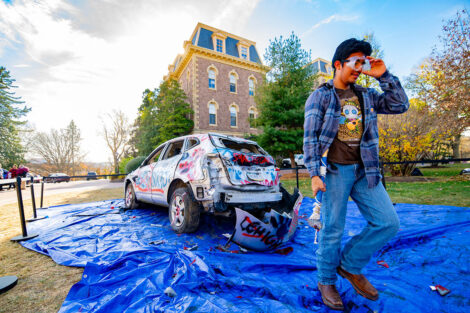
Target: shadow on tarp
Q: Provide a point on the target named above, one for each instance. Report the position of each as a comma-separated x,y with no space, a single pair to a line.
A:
125,272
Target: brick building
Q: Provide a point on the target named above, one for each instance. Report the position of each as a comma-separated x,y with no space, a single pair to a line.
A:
219,73
323,69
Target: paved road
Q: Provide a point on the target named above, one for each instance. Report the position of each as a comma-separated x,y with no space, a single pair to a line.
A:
9,196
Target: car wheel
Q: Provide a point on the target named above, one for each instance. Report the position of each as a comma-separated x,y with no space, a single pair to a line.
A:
184,211
130,199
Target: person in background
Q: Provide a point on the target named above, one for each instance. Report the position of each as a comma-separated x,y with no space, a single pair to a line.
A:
22,171
14,171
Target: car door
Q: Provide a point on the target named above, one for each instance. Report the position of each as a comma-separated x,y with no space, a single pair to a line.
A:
164,171
143,181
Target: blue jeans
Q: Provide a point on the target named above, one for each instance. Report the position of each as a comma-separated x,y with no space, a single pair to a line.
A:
375,206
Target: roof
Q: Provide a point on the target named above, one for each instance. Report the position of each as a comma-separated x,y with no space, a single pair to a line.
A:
202,37
202,42
321,66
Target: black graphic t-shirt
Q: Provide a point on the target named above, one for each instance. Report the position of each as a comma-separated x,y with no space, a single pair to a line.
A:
345,148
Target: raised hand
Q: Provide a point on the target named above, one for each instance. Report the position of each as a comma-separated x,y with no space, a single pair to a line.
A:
377,67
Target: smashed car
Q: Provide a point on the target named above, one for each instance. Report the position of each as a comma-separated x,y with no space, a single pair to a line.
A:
222,175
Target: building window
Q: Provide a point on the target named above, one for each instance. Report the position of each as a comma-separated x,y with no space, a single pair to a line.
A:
211,79
220,45
212,114
233,116
244,53
233,83
213,106
251,87
251,116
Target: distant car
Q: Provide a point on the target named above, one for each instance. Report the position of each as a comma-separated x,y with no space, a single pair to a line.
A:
299,161
465,171
91,176
216,174
57,178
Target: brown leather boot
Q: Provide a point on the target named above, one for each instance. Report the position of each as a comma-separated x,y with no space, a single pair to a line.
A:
331,297
360,284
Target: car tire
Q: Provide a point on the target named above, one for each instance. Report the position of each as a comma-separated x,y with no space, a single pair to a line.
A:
130,201
184,212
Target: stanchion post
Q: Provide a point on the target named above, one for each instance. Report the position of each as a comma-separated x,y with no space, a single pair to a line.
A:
297,175
42,193
42,197
24,231
33,200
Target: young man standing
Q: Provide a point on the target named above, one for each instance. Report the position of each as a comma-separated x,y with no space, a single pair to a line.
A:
341,117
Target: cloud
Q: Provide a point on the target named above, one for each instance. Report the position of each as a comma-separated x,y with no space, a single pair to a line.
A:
330,19
80,60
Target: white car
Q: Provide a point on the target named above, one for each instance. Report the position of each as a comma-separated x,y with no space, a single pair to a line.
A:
212,173
299,161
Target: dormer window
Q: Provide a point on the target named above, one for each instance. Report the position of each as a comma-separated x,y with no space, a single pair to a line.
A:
218,41
220,45
244,52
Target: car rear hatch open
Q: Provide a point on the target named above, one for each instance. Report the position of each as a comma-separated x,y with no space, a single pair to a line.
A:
246,162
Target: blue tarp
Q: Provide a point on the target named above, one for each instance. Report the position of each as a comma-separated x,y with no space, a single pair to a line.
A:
126,272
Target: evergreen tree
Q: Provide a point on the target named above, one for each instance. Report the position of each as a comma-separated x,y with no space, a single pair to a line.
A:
282,98
145,131
11,112
174,113
164,114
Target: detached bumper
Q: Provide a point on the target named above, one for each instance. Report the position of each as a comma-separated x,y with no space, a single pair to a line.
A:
274,229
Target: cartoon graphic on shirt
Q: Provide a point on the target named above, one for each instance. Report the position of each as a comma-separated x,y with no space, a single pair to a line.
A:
350,122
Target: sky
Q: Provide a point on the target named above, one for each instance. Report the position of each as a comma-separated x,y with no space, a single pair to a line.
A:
82,59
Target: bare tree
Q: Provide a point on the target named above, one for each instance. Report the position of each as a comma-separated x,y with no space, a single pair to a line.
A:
116,133
59,148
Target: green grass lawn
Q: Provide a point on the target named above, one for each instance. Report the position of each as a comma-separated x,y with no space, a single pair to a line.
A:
448,170
451,189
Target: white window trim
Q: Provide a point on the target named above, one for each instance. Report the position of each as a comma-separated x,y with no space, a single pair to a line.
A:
235,106
216,110
256,115
255,82
220,36
212,67
232,72
241,44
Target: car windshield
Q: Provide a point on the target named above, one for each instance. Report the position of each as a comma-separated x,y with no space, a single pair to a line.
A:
244,147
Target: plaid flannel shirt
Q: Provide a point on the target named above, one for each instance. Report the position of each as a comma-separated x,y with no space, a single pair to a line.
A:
322,113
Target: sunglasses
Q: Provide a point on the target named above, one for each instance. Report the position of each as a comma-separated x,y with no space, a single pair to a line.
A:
358,63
